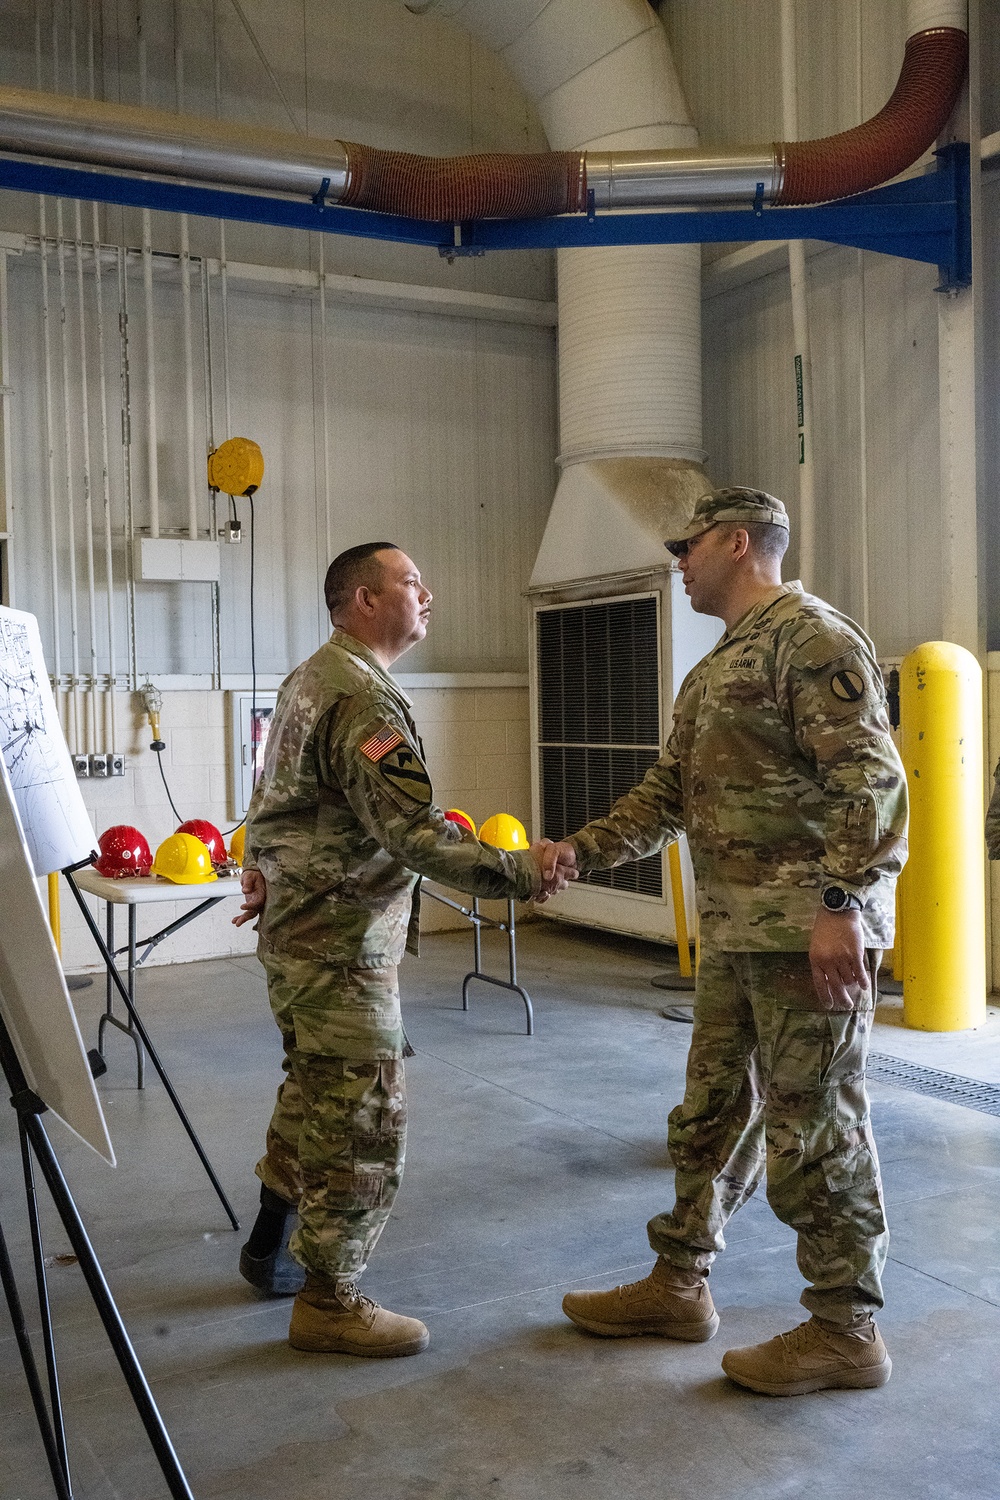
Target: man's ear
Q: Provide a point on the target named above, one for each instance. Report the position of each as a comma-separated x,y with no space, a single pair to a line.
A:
741,543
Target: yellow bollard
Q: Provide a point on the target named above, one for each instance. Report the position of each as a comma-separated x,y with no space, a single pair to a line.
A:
54,921
680,910
943,898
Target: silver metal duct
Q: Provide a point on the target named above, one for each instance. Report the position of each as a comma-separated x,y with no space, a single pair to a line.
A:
168,145
647,179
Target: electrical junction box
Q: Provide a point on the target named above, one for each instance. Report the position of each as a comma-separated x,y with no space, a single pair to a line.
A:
169,559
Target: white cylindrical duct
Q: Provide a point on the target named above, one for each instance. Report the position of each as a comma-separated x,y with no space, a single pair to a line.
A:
630,353
601,75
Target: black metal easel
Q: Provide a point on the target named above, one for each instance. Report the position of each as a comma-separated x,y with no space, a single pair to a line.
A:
36,1147
136,1022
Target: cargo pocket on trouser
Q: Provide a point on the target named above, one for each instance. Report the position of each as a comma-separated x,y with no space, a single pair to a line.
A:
351,1152
824,1183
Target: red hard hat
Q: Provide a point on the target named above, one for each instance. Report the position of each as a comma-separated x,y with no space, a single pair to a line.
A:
124,851
210,836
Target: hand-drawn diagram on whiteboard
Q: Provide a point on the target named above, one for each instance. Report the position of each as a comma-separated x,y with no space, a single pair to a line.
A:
56,823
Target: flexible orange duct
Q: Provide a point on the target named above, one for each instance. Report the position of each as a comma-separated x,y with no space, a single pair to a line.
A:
838,165
459,188
494,186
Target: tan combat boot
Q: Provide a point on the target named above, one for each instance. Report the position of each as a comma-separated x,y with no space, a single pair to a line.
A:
338,1319
812,1357
669,1302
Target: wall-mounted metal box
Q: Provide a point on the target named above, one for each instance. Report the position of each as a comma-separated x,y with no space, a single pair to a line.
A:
174,559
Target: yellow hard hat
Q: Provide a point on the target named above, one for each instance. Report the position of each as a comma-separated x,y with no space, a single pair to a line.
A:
237,842
184,859
504,832
456,815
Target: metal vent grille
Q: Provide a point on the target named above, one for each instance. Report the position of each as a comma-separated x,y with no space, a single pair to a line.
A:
971,1092
599,719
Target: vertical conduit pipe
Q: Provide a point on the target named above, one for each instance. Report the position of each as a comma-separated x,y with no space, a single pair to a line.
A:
800,319
213,514
109,571
77,738
863,517
88,498
111,712
152,470
192,487
126,407
90,686
50,457
324,396
50,451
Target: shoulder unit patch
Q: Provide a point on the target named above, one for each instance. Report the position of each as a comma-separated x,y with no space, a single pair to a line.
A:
403,768
847,685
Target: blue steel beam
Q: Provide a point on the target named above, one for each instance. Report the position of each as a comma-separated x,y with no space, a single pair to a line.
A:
924,218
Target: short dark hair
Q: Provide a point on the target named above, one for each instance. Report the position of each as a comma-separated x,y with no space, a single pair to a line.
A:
766,540
357,567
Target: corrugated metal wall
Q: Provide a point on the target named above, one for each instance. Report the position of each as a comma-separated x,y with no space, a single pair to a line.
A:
873,323
441,430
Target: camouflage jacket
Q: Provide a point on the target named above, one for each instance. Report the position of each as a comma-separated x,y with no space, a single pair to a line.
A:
342,822
993,818
781,770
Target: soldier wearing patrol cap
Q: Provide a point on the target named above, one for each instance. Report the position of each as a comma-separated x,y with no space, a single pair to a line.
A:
781,770
341,823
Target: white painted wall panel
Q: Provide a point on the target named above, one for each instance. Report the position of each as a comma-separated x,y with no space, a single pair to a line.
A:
750,427
362,70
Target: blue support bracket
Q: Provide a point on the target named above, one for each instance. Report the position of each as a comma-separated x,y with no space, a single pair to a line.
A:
923,218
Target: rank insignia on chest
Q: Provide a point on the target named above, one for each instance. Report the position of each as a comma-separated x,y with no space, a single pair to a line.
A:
381,742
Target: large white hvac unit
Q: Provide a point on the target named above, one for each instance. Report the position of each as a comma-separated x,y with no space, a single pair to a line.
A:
607,659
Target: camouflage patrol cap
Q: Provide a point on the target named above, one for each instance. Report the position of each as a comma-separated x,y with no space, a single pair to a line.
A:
733,504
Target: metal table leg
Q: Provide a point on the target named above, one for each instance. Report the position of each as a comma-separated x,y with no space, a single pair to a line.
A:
109,1018
503,984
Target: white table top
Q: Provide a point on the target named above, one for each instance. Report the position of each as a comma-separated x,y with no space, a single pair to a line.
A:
135,890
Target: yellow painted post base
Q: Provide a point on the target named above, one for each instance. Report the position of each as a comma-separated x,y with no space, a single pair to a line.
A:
943,896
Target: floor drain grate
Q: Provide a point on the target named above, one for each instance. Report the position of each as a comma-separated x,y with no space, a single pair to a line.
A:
971,1092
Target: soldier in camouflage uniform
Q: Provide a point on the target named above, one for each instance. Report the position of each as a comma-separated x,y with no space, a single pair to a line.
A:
341,824
993,818
782,772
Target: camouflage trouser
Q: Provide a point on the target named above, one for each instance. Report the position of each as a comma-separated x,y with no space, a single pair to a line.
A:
336,1141
774,1082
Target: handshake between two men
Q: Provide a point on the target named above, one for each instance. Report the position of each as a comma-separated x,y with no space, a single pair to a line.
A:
556,865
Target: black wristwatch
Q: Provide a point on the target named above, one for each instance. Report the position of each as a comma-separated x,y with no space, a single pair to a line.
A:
835,898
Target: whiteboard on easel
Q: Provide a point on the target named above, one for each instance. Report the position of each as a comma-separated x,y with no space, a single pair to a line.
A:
44,827
56,824
34,1001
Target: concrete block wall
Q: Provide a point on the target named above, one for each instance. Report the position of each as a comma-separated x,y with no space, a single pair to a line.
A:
475,733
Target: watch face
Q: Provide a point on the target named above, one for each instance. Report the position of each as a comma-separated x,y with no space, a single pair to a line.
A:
834,899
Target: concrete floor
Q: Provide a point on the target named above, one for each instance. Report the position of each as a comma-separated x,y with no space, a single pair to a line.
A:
533,1167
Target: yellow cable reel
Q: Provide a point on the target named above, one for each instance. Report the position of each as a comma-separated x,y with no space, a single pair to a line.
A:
236,467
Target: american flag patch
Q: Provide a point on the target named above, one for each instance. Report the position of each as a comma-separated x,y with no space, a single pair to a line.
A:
380,743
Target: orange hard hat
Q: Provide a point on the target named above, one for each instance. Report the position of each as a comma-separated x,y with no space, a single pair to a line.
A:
504,832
